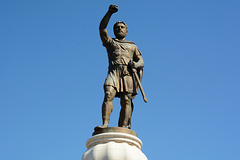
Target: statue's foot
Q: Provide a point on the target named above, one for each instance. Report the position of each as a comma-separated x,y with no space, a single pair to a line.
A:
100,127
124,126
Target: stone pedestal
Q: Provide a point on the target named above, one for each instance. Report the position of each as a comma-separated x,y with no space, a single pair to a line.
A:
114,143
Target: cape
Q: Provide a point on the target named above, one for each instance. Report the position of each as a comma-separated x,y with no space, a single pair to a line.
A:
123,41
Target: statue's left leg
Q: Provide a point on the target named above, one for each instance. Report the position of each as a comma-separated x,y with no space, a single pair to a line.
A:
130,116
126,109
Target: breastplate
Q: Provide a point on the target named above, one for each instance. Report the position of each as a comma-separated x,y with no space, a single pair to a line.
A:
120,53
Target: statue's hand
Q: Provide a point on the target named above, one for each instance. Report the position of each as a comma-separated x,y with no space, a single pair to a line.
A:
113,8
132,64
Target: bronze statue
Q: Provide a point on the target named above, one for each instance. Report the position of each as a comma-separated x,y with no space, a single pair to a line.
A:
124,71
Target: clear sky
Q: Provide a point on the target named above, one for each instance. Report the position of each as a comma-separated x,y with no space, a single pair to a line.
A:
53,66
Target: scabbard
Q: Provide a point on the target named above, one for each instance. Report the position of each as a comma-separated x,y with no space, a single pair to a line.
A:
140,85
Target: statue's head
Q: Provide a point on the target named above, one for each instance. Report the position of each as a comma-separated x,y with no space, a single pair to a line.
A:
120,30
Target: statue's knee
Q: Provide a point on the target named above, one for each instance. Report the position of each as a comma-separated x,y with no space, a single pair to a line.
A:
108,96
125,101
110,93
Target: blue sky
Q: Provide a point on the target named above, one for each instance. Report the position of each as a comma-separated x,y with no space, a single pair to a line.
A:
53,66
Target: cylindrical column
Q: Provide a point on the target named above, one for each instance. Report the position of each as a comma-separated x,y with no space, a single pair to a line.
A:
114,145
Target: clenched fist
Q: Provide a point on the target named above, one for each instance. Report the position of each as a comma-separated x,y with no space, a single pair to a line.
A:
113,8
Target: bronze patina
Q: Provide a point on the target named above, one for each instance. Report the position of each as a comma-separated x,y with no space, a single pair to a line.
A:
114,130
124,71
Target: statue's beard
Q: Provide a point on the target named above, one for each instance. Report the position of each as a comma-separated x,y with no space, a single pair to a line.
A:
120,35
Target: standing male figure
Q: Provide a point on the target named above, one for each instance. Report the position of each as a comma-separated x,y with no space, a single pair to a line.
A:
123,57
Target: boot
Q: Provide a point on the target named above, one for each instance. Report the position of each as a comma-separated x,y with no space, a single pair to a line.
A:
105,124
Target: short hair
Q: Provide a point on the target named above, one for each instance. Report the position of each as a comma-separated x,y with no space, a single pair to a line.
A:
122,23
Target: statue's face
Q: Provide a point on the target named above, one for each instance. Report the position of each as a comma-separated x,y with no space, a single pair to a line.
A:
120,31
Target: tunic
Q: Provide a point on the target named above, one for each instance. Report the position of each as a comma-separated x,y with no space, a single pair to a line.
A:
120,75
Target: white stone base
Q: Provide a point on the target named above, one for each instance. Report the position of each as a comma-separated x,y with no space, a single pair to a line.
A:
114,146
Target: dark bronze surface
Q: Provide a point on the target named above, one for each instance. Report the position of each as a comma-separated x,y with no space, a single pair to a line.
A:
123,56
115,129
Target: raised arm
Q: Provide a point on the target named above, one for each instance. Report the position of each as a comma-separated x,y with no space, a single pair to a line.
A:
103,24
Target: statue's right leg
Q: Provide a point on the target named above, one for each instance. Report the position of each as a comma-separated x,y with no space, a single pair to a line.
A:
107,105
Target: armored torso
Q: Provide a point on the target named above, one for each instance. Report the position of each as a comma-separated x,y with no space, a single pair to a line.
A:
120,53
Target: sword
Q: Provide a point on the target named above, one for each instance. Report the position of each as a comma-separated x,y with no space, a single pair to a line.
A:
140,85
